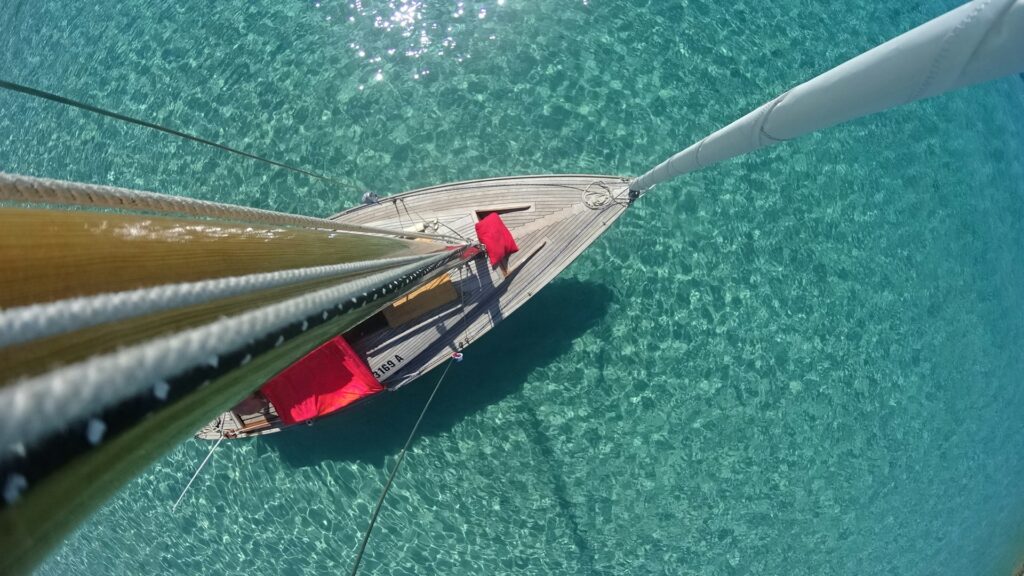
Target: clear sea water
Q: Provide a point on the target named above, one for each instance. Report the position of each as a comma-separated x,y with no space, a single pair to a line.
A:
806,361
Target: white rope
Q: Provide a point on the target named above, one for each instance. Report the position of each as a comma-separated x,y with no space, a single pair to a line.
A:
18,188
39,405
398,465
599,198
196,475
27,323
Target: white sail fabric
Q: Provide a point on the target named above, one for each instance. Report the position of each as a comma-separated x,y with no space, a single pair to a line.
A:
976,42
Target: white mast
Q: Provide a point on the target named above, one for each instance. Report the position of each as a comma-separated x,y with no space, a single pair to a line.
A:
976,42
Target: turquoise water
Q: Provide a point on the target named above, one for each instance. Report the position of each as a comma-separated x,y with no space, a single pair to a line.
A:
806,361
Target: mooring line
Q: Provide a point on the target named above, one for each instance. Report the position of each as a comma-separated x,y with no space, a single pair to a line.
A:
394,471
196,475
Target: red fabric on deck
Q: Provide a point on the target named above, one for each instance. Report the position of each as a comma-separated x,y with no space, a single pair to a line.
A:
468,254
493,234
327,379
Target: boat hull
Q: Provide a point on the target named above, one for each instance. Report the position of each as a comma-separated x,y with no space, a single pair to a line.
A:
553,220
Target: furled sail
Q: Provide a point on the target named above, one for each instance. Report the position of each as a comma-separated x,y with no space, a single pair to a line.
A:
977,42
129,319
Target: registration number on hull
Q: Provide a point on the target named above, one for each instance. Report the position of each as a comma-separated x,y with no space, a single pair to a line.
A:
381,371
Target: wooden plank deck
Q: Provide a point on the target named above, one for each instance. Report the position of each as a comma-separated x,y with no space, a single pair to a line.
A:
557,225
553,219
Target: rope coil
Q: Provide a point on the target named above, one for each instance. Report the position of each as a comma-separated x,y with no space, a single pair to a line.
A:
597,199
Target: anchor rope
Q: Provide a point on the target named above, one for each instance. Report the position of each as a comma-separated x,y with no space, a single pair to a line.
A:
37,93
394,471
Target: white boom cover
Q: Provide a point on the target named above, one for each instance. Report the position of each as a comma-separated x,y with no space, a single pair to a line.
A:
976,42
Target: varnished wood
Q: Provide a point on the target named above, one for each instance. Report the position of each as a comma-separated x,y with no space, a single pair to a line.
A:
420,301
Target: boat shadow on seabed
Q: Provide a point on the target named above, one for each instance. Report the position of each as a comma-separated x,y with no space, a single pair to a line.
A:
494,367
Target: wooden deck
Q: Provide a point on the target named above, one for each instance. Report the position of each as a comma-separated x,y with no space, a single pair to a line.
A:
552,218
552,223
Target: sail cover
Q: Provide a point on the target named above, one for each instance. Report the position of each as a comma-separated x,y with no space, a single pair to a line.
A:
325,380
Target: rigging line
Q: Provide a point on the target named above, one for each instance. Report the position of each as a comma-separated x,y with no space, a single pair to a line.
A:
456,232
90,108
436,221
421,218
196,475
463,272
409,214
401,225
394,471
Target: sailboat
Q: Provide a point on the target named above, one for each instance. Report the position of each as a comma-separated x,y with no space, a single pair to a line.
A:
129,320
557,217
547,220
